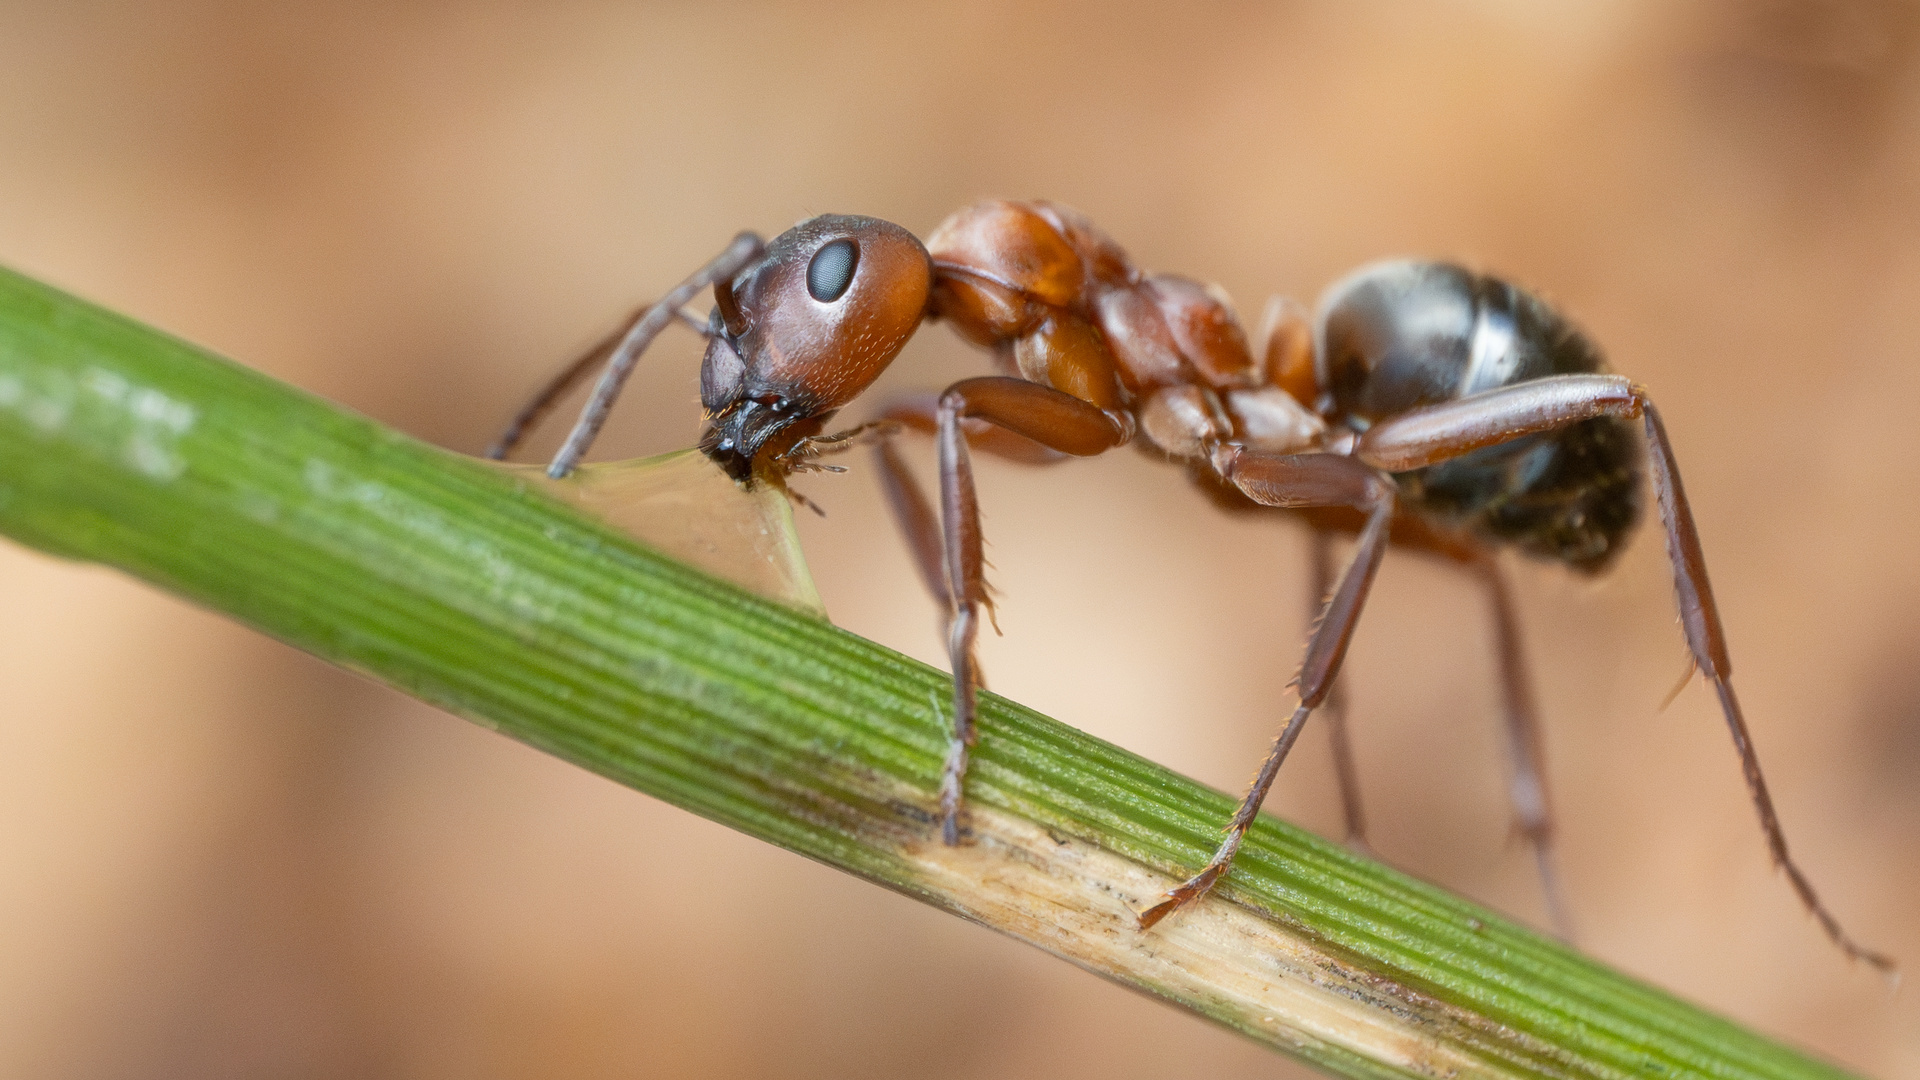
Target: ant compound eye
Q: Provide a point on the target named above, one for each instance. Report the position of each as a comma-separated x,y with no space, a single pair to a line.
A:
831,271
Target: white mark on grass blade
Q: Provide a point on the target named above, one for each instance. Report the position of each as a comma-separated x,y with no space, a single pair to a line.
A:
420,522
108,386
45,407
43,403
144,424
261,506
153,423
152,458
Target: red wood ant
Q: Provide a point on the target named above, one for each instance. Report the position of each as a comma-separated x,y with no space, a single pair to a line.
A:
1426,406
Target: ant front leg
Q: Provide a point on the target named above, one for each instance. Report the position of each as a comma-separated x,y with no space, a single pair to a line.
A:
918,524
1058,422
914,515
1298,480
1439,432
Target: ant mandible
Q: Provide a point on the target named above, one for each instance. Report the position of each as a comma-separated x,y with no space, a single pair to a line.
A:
1426,406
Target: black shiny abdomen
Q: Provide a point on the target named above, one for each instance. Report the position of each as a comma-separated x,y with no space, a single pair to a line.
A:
1396,336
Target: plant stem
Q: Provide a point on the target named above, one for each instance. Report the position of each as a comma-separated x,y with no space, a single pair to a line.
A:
474,589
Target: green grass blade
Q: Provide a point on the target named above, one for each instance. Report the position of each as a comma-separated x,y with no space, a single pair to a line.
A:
474,589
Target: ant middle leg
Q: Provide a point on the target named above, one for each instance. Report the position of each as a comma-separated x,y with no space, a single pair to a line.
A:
1298,480
1334,709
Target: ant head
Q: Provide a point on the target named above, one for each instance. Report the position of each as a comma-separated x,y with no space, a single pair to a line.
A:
803,331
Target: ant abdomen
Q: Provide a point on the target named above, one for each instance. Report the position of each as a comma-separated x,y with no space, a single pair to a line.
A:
1400,335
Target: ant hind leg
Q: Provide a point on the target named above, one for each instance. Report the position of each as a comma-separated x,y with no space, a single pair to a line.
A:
1439,432
1526,749
1701,620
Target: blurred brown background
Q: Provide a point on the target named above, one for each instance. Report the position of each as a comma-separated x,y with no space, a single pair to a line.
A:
221,858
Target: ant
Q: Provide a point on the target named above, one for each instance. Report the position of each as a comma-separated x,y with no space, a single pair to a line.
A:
1426,406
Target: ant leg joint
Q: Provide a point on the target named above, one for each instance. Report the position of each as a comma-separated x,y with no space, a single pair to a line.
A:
1224,457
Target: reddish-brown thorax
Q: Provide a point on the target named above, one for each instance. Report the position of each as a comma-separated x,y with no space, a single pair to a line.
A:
1060,304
